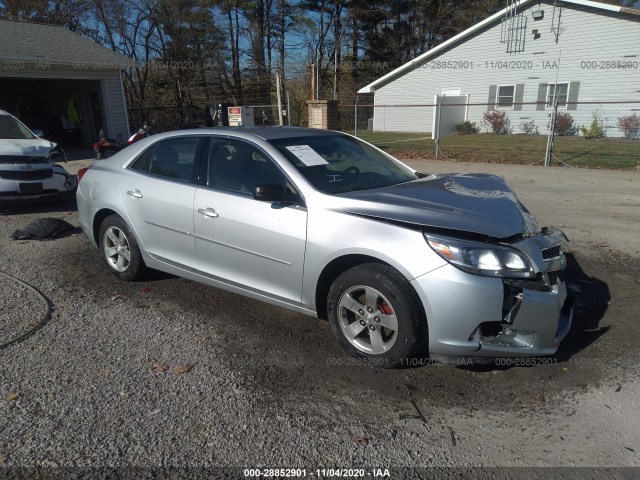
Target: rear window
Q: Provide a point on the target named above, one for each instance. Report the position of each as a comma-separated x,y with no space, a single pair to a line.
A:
174,158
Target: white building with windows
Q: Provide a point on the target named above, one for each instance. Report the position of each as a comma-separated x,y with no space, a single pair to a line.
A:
587,54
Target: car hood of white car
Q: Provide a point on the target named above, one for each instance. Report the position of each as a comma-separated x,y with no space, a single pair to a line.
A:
37,147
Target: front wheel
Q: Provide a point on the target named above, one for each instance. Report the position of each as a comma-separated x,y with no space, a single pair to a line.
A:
119,249
375,314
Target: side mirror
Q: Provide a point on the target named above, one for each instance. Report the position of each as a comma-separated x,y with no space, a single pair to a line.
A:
271,192
38,133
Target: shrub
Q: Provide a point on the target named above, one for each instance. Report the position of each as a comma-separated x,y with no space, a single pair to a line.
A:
630,126
595,130
498,122
529,128
467,128
565,126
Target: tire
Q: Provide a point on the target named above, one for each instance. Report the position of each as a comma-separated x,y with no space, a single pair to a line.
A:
379,339
117,239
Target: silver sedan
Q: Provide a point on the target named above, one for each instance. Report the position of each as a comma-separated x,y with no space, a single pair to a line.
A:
403,264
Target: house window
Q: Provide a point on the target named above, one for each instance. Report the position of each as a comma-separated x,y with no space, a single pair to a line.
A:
559,91
505,96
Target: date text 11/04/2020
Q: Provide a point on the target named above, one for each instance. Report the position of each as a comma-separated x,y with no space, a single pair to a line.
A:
317,472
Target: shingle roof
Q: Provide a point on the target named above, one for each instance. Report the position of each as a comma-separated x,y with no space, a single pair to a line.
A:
35,42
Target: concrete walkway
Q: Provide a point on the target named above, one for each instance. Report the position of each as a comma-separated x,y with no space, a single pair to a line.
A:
72,166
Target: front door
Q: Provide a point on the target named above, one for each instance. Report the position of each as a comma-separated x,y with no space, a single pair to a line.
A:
241,241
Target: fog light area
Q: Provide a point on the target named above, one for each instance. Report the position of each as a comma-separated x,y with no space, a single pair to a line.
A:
498,334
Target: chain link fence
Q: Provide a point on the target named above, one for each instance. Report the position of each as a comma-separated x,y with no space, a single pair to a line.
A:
164,119
589,134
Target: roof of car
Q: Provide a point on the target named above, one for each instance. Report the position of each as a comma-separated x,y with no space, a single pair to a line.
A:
274,132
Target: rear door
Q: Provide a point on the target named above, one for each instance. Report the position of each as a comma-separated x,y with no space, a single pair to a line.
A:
157,191
248,243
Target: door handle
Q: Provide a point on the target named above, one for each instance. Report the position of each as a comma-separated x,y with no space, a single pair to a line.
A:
208,212
134,193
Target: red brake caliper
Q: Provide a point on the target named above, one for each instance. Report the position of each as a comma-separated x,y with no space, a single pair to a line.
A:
385,308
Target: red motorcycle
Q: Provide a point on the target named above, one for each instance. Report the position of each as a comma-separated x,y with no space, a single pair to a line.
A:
107,147
143,132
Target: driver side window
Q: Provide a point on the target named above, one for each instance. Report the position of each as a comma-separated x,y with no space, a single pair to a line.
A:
238,166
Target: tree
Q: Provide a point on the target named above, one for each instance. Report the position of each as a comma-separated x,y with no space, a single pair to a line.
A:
67,13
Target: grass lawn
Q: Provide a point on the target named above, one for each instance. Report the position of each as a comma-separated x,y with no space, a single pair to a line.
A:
577,151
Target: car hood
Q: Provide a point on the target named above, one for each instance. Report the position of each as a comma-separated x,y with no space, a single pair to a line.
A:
478,203
24,151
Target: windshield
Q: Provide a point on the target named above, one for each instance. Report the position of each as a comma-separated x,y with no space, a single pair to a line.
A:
12,129
338,163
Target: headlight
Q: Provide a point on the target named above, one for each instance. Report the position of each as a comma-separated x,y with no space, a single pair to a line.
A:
481,258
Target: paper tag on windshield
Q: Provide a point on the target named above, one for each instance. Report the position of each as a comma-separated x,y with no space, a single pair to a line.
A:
307,155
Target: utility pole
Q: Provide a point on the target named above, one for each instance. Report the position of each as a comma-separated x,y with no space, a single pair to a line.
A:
355,117
288,108
335,74
312,95
278,87
318,67
552,130
439,102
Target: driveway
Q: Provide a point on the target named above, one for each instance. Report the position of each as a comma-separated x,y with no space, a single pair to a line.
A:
168,372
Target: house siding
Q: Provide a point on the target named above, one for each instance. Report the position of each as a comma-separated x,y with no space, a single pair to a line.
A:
117,107
588,35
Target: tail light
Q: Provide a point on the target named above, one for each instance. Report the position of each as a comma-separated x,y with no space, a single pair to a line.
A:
81,172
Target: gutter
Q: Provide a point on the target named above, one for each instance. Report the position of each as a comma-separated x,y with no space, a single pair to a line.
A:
630,11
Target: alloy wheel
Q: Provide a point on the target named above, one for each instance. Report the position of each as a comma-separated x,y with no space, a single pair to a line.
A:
367,320
116,249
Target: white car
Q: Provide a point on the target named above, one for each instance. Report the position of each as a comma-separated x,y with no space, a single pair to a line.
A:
28,169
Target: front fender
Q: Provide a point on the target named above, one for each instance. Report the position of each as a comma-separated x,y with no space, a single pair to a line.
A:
403,248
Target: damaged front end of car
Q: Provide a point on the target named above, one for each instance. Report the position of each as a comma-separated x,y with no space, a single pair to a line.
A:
501,292
509,298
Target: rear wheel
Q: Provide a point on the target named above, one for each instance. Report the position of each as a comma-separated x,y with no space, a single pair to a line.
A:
375,314
119,249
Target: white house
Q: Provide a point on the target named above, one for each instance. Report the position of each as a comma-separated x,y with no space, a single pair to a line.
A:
518,60
62,83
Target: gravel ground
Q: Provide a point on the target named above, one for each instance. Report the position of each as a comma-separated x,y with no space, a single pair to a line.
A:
171,373
25,308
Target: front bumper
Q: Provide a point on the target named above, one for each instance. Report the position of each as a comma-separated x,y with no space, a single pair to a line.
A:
58,186
466,316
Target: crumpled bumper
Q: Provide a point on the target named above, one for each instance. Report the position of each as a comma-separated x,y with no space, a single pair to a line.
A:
472,316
